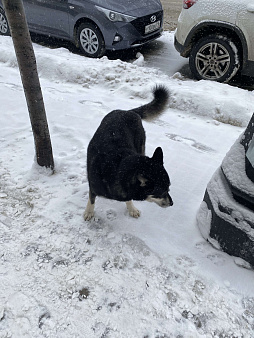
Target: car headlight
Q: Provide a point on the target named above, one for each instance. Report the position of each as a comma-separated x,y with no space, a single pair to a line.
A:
115,16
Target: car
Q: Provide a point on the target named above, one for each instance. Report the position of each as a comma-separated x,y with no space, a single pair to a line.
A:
217,37
226,215
95,26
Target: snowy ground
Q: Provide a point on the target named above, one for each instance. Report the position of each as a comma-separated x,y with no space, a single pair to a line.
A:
115,276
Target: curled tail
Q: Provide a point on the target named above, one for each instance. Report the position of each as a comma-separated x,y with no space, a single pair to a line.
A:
153,109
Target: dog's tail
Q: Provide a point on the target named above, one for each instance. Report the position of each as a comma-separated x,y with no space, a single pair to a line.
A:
153,109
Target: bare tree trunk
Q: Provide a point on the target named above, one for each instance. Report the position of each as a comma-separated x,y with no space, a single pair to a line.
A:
14,10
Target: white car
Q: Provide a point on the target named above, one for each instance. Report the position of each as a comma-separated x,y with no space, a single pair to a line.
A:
218,38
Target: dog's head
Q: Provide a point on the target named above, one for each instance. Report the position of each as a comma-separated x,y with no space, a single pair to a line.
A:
154,180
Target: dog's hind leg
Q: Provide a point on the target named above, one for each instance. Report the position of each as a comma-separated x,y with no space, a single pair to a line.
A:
134,212
89,212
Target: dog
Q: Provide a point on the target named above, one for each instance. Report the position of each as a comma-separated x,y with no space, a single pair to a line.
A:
117,167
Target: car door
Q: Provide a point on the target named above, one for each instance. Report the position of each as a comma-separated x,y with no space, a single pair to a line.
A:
245,21
49,17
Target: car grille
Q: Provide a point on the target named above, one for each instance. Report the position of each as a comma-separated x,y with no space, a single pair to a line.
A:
141,23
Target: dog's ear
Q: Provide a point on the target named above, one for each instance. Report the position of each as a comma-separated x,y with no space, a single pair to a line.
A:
158,155
142,180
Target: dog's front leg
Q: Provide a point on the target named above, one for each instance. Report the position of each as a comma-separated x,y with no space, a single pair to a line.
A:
89,212
134,212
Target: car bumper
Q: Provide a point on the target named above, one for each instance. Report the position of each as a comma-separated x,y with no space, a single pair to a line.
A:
132,34
179,47
133,42
226,224
248,68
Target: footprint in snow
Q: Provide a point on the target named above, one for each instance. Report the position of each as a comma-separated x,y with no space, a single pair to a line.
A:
185,261
111,214
62,154
13,86
190,142
217,259
161,123
92,103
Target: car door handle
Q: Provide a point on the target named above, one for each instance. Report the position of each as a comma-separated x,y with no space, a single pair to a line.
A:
250,8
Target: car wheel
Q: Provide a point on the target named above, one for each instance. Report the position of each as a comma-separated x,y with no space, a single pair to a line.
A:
4,27
214,57
90,40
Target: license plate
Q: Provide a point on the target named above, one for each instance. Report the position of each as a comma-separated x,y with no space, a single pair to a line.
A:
152,27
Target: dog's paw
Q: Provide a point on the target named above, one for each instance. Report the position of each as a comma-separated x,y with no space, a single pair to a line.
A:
89,212
134,213
88,215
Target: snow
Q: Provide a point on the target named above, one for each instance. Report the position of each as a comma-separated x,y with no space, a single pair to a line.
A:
234,168
115,276
237,215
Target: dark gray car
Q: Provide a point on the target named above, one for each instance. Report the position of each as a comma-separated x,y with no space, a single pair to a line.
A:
94,25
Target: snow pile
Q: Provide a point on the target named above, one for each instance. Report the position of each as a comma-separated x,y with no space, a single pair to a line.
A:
115,276
225,108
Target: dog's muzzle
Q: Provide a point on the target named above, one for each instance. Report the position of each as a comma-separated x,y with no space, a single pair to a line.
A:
162,202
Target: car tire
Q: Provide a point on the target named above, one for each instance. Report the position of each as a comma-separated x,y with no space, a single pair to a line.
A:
4,26
90,40
214,57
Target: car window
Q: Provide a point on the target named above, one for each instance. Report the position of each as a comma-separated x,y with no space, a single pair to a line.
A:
250,152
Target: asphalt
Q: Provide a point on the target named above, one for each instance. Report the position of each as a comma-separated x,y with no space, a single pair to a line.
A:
172,9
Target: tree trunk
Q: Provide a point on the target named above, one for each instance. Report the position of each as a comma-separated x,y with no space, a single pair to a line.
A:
15,13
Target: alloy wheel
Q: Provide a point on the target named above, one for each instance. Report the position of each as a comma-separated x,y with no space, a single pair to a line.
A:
89,41
3,24
212,61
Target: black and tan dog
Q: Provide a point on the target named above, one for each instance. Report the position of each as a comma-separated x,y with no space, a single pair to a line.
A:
116,163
